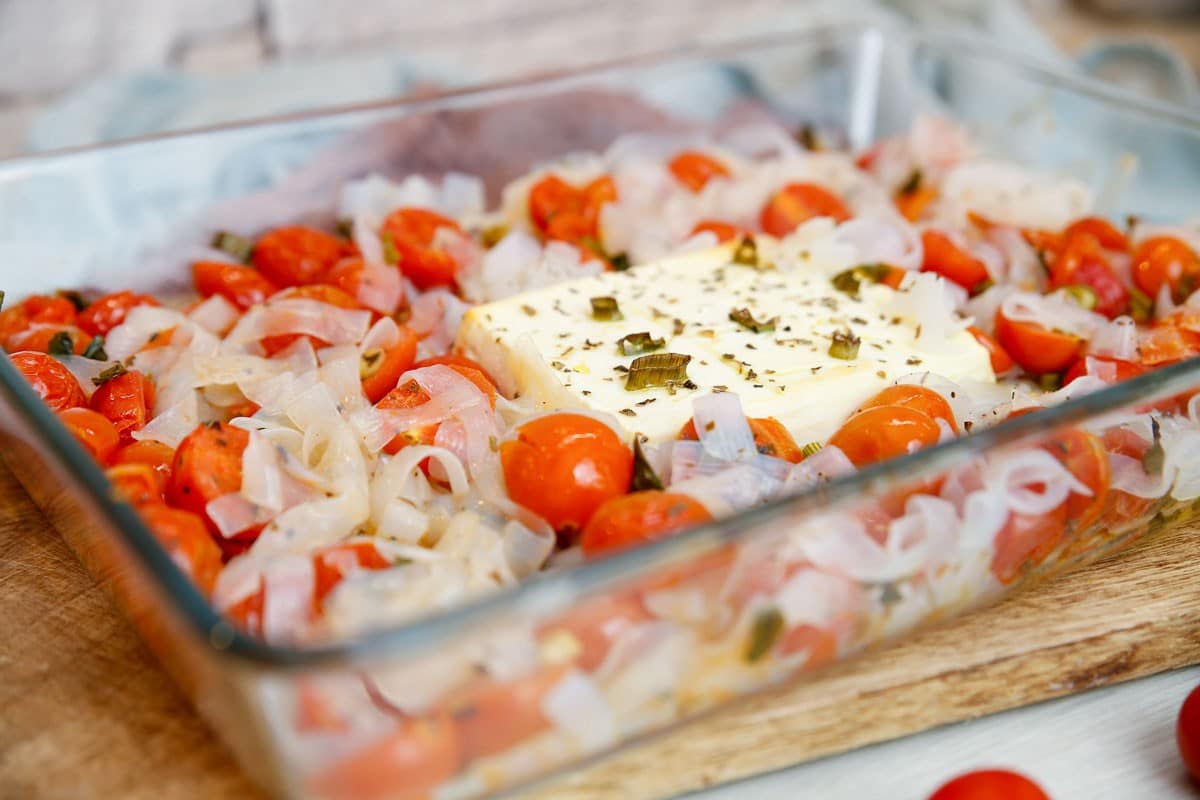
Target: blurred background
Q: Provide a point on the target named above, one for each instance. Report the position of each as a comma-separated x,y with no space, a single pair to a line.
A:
79,72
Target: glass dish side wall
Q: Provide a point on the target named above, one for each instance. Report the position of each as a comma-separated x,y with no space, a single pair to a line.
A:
851,84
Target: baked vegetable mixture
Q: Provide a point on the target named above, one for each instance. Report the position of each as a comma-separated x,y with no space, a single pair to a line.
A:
346,427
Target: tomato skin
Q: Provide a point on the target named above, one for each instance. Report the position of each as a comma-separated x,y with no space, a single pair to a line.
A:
296,255
329,567
155,455
916,397
1166,344
1026,540
39,336
795,204
695,169
409,394
136,484
1124,369
493,716
208,464
1187,733
242,286
883,432
184,537
990,784
722,230
127,400
1081,262
454,360
109,311
945,258
771,438
320,292
1085,457
53,382
1165,260
1035,348
381,376
640,517
564,466
38,309
92,430
1104,232
1002,362
405,764
411,232
568,213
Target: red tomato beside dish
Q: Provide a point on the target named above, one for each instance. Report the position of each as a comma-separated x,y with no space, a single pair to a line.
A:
990,784
1187,733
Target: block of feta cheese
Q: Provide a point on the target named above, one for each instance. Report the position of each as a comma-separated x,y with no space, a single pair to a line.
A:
764,333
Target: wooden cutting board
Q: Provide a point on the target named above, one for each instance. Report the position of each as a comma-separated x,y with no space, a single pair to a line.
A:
88,714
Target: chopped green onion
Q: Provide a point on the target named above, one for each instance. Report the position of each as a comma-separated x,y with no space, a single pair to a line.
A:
844,345
1141,307
95,349
493,235
764,632
1050,382
1083,295
644,476
1155,456
391,255
634,343
658,369
75,297
913,183
811,449
743,317
115,371
61,344
849,281
605,309
237,246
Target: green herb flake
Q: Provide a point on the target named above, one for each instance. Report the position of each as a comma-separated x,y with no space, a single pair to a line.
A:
620,262
61,344
644,476
605,309
746,253
238,247
95,349
75,297
1141,307
1050,381
811,449
635,343
1083,295
1155,456
344,228
115,371
851,280
807,137
743,317
493,235
391,254
764,633
912,183
844,345
658,370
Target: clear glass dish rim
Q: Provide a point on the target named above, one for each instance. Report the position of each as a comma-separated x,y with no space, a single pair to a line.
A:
423,631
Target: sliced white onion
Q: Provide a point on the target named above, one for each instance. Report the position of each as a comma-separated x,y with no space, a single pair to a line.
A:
579,709
1118,338
722,426
1020,475
215,314
890,240
1052,311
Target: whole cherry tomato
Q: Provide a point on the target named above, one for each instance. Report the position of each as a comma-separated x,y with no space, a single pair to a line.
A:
1106,234
771,438
1122,370
155,455
136,484
564,466
409,233
1166,260
296,255
722,230
695,169
37,309
944,257
796,204
183,535
380,369
45,338
409,394
1187,733
242,286
990,784
92,430
1081,262
1026,540
53,382
916,397
641,517
568,213
883,432
109,311
1002,362
1037,349
208,465
127,400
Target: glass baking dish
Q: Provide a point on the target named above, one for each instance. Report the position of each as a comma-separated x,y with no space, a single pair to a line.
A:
336,719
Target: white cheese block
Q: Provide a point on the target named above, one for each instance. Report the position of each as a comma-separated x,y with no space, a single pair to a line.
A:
546,346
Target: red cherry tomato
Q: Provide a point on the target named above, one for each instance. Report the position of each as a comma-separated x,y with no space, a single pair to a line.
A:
208,464
953,263
641,517
990,784
1166,344
53,382
296,255
411,232
39,337
38,309
322,293
127,400
918,398
594,625
1106,234
1165,260
380,369
694,169
1081,262
883,432
1085,457
136,484
92,430
564,466
1122,370
242,286
109,311
183,535
1026,540
912,205
722,230
568,213
332,564
1187,733
455,360
1002,362
797,203
155,455
770,438
493,716
1035,348
409,394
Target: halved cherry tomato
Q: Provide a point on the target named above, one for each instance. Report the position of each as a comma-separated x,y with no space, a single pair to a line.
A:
53,382
1081,262
912,205
916,397
1124,507
296,255
109,311
136,484
1084,457
409,394
1001,361
883,432
350,275
492,716
40,336
568,213
208,464
92,430
722,230
564,466
411,232
944,257
1106,234
797,203
695,169
127,400
1166,344
37,309
155,455
322,293
182,534
1122,370
242,286
380,369
406,764
332,564
990,784
1035,348
641,517
771,438
1166,260
1026,540
594,626
1187,733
